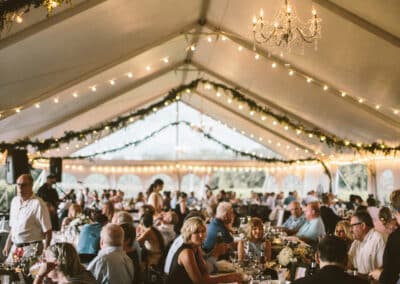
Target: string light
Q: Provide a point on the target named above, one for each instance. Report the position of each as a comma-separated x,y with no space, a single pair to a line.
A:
240,48
360,100
18,110
309,80
291,73
129,74
148,68
37,105
112,82
257,56
75,94
396,111
56,100
209,39
93,88
326,88
19,19
273,65
377,106
343,94
166,59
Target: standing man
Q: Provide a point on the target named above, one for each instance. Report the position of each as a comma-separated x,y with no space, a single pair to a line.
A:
50,196
29,221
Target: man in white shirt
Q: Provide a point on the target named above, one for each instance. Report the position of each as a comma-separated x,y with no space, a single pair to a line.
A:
29,221
366,251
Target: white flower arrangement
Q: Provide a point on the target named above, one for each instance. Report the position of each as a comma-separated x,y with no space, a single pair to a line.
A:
80,220
286,256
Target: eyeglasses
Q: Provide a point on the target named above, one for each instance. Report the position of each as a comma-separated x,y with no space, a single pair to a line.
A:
355,224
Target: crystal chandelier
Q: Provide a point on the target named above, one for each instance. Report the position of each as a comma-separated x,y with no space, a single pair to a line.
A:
286,30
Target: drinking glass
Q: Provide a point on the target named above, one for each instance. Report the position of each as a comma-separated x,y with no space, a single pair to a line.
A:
282,275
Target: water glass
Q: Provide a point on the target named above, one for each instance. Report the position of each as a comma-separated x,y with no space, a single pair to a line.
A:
282,275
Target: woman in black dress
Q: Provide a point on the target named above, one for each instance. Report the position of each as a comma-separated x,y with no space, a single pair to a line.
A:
188,265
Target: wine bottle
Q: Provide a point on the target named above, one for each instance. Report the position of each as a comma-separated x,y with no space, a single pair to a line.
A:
219,238
313,268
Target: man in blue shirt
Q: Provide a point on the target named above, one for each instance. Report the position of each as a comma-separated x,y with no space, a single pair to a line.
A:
89,238
296,219
313,228
219,226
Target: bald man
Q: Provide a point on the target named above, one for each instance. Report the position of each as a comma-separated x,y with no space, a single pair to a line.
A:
112,264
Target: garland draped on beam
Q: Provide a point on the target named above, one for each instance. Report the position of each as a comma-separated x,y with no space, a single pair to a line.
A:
174,95
208,136
197,129
10,10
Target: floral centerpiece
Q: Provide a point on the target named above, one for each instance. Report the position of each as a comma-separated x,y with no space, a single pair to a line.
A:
294,255
79,221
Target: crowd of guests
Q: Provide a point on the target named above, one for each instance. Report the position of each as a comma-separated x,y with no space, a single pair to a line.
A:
179,238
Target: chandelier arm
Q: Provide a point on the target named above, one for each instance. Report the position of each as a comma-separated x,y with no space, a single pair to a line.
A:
308,39
265,38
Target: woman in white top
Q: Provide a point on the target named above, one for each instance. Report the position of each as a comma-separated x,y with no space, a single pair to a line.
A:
154,198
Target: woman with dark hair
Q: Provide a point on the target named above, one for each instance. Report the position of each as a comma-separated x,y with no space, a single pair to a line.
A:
129,238
256,242
62,265
151,241
153,195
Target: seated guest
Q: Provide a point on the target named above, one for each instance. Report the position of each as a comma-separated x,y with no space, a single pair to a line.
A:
342,231
151,242
181,210
73,212
122,217
293,224
129,237
62,266
108,210
89,238
366,251
257,244
332,256
112,265
313,228
329,218
386,224
391,255
165,224
188,265
220,224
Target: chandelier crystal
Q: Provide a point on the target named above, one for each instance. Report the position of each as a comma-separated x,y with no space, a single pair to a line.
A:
286,30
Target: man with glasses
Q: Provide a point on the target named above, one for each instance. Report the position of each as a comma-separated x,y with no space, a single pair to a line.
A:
366,251
391,256
296,219
29,221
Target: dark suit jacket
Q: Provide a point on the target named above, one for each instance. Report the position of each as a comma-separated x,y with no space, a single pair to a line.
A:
391,259
329,218
330,274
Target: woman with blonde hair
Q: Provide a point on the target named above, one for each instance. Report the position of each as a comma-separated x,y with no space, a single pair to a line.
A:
256,242
62,265
188,265
342,230
73,211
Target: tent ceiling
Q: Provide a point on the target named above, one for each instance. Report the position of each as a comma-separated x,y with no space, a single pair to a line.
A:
89,45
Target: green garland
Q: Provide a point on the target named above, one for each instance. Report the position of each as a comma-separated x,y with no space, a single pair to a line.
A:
10,8
206,135
174,95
